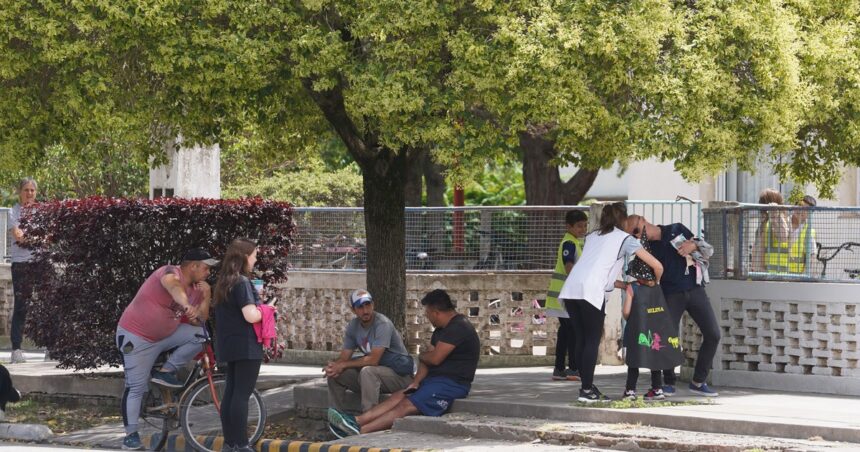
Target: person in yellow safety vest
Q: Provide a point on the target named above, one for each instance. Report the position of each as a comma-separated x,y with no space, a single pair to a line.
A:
802,237
771,250
569,251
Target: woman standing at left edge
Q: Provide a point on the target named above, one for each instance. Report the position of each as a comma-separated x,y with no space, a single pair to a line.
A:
22,267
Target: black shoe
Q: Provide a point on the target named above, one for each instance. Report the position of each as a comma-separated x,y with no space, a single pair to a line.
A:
592,396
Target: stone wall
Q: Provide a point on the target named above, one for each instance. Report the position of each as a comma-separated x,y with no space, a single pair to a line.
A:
6,301
784,336
502,307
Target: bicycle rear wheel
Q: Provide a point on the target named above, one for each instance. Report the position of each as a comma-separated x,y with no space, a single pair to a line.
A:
201,420
159,417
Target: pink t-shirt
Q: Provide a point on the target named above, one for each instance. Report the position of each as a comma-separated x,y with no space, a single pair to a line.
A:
152,314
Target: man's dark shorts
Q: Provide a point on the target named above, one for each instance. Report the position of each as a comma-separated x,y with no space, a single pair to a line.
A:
435,394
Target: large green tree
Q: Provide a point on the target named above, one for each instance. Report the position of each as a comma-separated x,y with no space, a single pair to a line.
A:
703,83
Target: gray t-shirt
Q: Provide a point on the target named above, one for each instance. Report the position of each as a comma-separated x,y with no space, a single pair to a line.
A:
17,253
380,333
629,246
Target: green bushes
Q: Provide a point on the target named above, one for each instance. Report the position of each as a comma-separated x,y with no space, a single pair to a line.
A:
307,188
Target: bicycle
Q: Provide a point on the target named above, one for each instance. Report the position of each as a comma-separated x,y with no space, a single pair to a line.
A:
848,246
197,409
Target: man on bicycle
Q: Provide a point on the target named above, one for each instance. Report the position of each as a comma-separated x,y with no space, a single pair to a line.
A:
151,324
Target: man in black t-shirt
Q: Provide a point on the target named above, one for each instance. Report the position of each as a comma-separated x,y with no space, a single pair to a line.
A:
445,372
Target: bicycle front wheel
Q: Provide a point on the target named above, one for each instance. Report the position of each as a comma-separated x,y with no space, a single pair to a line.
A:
201,420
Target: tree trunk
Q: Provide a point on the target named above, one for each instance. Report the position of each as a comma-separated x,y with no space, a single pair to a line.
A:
384,203
384,175
578,185
434,180
542,182
413,186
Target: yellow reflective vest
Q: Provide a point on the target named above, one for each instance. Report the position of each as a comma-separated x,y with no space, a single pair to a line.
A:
799,250
785,257
775,252
559,274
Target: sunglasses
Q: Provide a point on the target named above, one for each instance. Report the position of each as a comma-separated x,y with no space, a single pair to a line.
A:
638,229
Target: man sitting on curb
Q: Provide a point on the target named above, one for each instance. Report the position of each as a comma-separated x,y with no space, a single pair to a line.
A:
445,373
385,365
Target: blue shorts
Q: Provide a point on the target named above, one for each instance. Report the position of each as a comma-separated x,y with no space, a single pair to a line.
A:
435,394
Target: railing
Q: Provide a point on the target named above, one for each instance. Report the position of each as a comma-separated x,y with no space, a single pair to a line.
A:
5,237
766,242
458,239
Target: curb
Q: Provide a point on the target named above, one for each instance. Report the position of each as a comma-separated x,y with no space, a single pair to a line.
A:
176,442
675,421
25,432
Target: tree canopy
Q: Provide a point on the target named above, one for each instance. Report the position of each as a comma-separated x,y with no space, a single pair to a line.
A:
705,83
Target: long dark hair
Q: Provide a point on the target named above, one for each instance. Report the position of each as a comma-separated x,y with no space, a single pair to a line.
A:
233,267
613,216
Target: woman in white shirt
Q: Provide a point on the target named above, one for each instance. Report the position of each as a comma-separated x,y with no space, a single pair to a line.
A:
591,279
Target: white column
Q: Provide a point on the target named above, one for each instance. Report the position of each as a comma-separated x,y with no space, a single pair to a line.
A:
191,172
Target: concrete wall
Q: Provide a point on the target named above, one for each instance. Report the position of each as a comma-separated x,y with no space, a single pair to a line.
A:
191,172
786,336
6,301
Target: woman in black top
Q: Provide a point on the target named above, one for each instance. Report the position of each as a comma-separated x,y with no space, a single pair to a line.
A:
236,310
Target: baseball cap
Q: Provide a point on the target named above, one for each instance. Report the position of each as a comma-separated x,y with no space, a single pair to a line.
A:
360,297
199,254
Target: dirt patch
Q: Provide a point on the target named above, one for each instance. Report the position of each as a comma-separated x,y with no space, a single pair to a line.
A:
61,419
289,426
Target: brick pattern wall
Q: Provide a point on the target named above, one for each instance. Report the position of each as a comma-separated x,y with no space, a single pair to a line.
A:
501,307
790,337
6,301
691,340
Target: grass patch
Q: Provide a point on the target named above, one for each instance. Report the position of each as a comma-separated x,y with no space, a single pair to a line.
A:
61,419
641,403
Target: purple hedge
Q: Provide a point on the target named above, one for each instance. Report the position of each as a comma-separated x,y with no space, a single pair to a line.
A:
94,253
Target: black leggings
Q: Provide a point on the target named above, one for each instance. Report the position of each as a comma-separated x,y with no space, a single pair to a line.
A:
565,345
22,289
241,379
587,323
695,301
633,377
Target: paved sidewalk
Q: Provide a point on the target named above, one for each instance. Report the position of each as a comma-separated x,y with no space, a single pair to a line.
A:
530,393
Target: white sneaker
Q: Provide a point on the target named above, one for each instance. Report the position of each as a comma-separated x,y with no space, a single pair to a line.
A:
18,356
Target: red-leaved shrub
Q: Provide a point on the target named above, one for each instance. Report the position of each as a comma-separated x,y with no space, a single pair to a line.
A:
94,253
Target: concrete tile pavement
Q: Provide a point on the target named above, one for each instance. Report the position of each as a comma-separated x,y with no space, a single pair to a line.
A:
533,386
530,393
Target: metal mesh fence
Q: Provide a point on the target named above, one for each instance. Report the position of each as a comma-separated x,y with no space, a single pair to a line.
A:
785,242
443,239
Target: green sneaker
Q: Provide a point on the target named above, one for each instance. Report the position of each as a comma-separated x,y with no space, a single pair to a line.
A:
343,421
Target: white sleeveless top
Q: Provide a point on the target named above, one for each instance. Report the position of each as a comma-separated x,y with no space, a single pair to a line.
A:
596,270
